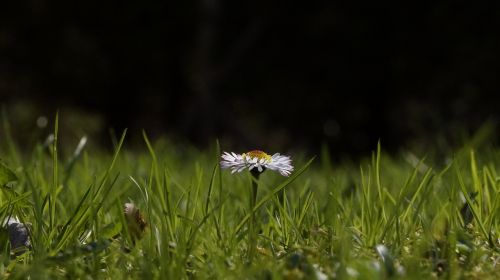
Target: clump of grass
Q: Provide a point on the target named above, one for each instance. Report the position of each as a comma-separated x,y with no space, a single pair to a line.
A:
400,216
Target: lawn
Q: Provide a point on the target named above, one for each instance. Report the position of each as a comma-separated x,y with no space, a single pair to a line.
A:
168,211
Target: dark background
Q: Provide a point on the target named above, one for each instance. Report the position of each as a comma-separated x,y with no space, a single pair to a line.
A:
270,74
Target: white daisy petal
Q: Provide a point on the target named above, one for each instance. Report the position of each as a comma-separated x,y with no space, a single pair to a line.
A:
256,159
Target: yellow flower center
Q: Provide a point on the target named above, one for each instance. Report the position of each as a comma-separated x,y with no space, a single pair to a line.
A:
257,154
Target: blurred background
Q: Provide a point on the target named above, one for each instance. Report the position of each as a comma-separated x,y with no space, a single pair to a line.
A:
267,74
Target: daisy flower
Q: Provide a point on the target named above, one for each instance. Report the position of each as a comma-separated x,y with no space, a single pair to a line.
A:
257,159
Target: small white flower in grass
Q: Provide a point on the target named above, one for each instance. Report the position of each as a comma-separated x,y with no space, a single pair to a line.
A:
257,159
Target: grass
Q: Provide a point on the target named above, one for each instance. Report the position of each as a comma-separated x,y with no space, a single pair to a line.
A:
401,216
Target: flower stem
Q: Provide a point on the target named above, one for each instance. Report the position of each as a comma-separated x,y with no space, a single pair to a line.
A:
253,222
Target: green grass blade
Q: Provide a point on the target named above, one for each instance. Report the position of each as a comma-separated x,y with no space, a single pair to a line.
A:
273,193
55,183
473,208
